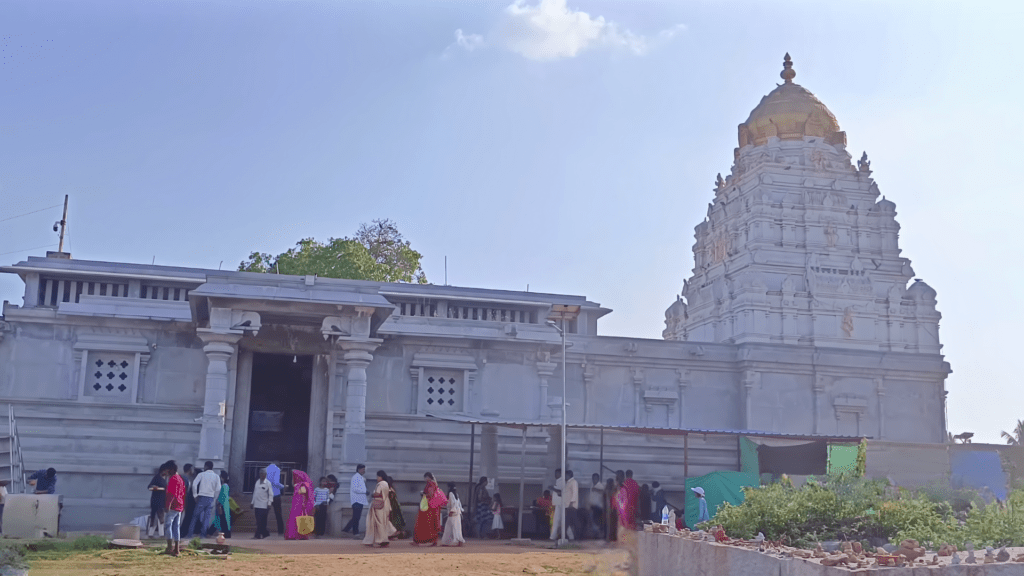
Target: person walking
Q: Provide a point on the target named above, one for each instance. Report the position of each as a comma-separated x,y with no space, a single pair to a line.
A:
357,497
274,477
453,528
262,497
482,516
174,503
302,504
658,500
396,517
572,506
205,489
596,502
378,524
157,503
558,501
702,510
222,517
428,522
188,476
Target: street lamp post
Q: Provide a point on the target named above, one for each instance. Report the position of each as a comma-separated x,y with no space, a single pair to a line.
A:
562,312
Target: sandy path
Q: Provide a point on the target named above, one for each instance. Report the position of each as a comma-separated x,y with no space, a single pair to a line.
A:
478,560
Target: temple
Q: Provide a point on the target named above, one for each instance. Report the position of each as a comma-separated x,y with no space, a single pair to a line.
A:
797,320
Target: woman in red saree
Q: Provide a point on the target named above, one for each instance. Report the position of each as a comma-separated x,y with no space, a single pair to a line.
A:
627,499
428,522
302,504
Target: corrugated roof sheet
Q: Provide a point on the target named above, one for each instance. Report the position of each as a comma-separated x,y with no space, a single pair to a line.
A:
646,429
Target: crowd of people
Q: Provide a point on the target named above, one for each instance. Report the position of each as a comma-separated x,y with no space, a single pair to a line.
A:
199,503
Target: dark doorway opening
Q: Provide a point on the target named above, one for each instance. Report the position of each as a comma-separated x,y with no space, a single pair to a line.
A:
278,414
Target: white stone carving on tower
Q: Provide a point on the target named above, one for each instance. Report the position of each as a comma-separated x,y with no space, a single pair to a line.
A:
798,247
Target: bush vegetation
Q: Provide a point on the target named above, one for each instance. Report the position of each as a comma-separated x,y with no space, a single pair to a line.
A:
845,508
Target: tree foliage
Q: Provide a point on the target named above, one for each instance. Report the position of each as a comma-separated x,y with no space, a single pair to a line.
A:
377,252
1016,437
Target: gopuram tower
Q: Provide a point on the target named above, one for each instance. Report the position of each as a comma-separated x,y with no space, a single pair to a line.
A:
799,247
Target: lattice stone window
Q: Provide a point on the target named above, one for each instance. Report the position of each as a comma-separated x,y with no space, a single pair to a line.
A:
442,391
110,376
110,367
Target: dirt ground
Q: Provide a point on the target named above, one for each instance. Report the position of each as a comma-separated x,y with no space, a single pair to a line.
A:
339,557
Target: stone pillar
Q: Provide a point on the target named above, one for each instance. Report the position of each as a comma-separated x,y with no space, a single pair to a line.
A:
489,452
31,299
316,447
219,348
545,370
819,388
240,417
358,356
684,382
750,381
880,392
638,381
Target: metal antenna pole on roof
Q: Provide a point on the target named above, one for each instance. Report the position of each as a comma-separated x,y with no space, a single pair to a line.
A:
445,270
63,224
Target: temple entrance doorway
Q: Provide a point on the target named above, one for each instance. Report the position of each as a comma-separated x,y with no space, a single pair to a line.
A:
279,408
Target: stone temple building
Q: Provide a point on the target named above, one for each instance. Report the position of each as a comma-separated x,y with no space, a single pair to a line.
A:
800,317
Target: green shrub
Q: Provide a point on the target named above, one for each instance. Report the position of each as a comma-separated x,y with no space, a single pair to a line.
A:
843,507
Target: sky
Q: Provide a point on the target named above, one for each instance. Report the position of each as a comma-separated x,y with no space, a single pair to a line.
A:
565,147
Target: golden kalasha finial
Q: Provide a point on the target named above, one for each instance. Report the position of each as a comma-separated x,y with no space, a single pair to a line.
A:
787,69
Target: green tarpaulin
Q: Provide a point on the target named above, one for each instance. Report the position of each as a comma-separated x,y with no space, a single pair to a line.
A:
718,487
749,462
842,458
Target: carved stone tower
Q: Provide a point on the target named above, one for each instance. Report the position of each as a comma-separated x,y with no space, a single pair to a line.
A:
798,247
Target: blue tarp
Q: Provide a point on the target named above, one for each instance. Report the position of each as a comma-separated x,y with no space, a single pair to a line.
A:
978,469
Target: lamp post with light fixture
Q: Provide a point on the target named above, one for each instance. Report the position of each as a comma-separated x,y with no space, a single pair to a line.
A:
563,312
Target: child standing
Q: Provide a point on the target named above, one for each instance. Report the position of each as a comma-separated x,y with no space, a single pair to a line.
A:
497,525
321,497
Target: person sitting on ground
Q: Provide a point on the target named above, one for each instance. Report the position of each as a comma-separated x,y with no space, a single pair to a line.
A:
45,481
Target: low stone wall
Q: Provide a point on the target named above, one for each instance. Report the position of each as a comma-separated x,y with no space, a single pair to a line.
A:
667,555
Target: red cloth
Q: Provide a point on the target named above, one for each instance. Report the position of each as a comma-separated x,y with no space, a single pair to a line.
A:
428,523
627,499
175,493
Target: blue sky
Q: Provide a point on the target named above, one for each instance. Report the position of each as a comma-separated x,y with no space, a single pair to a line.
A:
572,147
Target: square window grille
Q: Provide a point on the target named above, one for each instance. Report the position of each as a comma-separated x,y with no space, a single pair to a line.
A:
112,379
443,391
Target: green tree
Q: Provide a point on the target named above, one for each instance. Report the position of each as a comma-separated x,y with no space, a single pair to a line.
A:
378,252
1016,437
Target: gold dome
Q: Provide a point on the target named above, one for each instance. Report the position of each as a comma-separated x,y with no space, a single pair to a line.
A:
790,112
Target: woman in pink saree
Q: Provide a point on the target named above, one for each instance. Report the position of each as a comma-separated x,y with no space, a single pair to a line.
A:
302,504
627,498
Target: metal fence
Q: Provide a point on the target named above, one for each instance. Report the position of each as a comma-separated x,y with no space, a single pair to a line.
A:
251,473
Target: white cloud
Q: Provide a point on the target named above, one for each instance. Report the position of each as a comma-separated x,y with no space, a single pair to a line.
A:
470,42
550,30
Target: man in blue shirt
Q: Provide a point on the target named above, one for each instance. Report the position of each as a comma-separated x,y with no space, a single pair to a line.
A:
45,481
274,477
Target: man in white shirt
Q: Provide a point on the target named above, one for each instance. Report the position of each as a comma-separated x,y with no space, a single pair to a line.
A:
557,500
205,489
262,497
572,504
357,496
596,503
